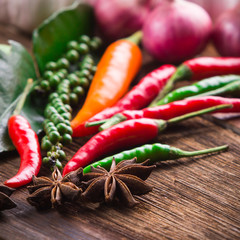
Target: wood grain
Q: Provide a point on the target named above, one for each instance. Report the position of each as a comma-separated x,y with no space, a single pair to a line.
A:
192,198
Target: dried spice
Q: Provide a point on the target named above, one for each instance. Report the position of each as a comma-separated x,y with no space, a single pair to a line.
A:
122,182
47,193
5,201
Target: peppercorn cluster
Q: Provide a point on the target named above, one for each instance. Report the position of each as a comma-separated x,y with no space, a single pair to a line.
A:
66,82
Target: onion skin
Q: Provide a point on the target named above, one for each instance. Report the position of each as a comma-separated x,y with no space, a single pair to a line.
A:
176,31
226,33
120,18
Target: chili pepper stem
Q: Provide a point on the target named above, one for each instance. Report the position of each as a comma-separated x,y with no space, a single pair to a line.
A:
182,72
23,97
96,123
112,121
136,37
197,113
183,153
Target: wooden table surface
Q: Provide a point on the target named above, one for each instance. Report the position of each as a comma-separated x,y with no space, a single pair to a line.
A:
192,198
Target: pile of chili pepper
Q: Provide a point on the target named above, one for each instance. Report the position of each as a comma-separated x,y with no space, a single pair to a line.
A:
125,134
171,110
200,68
115,71
138,97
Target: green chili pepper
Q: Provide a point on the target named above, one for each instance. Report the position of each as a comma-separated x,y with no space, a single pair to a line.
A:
203,86
232,89
154,152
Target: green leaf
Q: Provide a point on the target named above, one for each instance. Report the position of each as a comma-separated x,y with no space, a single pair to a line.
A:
15,68
51,37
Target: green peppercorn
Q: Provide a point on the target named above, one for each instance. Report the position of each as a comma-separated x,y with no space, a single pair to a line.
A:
84,82
56,100
67,116
51,128
74,80
84,73
63,63
45,122
45,160
54,81
49,125
79,91
59,146
58,164
83,48
60,75
84,39
73,98
93,69
72,45
66,139
62,155
97,40
49,154
52,96
47,74
61,109
72,56
63,71
88,59
58,105
52,66
54,116
63,90
68,108
55,155
45,85
95,43
62,128
54,137
67,122
86,66
65,98
46,145
49,111
69,130
58,119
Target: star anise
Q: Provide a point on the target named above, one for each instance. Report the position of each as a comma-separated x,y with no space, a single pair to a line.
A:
122,182
5,201
47,193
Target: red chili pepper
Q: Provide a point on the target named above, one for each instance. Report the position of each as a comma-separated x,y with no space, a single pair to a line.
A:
199,68
173,109
129,133
140,96
204,67
26,142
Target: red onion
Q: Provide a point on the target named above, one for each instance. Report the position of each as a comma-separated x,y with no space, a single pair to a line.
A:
226,33
120,18
176,31
216,7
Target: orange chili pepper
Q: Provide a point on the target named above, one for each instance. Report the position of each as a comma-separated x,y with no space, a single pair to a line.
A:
115,71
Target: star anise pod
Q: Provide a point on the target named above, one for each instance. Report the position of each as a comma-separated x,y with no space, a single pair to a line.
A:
122,182
5,201
47,193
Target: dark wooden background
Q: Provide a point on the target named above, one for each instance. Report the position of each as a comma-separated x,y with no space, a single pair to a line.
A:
192,198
